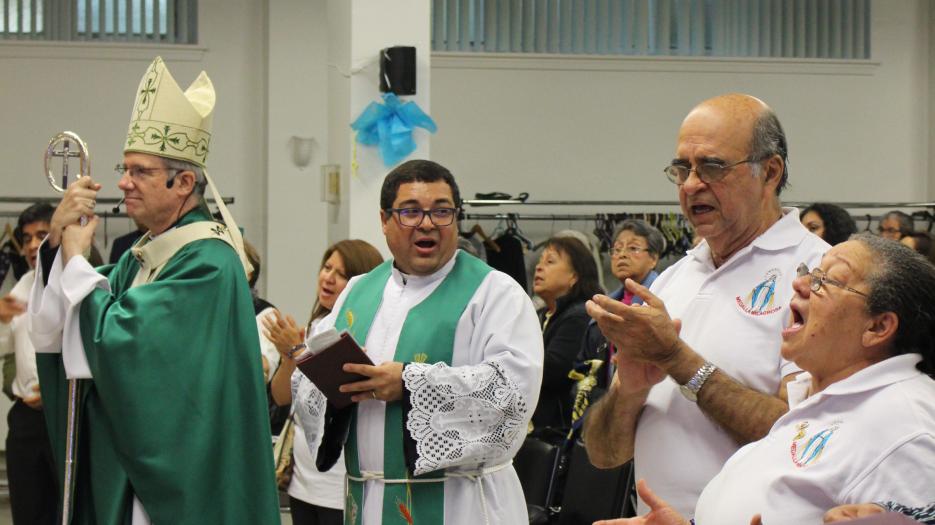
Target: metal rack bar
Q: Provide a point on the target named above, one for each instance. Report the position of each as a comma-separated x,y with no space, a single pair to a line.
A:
102,200
532,216
505,202
589,217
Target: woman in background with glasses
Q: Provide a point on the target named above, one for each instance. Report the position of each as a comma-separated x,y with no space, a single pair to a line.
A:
634,255
895,225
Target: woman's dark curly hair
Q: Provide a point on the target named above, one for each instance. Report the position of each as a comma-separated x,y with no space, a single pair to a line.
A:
838,223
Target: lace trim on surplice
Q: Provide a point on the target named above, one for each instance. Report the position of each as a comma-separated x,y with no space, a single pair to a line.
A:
461,415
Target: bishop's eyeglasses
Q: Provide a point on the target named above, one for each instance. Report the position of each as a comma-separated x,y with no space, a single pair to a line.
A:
137,173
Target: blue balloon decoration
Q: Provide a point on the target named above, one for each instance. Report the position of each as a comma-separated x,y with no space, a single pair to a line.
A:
389,125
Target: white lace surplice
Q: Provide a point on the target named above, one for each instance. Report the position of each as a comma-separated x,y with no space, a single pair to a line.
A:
309,408
465,417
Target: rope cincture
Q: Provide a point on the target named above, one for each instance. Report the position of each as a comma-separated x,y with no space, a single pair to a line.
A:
476,476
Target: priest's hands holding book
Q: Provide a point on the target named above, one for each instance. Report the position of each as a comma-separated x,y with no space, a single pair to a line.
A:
384,383
342,370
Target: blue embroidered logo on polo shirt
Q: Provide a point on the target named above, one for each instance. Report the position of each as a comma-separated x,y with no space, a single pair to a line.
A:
804,449
762,298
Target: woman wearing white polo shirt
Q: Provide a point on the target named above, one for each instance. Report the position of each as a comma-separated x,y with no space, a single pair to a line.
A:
861,424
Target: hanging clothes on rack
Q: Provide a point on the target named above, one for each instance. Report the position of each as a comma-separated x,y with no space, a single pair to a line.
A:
509,259
11,255
476,241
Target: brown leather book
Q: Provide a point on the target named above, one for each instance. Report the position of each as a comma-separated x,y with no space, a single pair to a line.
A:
325,368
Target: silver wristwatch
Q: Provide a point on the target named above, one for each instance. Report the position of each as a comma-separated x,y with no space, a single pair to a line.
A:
693,386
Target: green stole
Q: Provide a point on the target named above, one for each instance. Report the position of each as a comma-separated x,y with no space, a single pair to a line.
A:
427,337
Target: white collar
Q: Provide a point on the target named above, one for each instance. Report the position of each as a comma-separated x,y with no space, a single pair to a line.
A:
787,231
404,279
886,372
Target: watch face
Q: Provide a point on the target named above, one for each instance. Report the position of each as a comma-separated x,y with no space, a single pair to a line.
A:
688,393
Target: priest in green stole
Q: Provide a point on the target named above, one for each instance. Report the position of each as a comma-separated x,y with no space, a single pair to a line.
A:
150,368
458,356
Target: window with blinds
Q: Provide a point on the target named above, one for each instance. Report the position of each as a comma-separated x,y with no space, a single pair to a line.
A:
153,21
832,29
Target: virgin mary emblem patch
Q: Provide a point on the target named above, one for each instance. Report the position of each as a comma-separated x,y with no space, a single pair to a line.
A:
762,298
805,449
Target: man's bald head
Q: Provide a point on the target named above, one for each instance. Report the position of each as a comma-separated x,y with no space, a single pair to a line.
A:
753,122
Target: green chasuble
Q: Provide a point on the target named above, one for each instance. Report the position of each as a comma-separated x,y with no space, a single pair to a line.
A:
427,336
176,412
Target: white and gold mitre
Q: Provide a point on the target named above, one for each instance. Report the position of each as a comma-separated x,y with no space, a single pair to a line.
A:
169,122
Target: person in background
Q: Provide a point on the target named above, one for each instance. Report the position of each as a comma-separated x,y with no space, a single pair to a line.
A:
30,466
634,255
315,498
895,225
565,278
262,308
832,223
123,243
921,242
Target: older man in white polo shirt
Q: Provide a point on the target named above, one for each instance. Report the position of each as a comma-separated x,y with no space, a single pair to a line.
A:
731,294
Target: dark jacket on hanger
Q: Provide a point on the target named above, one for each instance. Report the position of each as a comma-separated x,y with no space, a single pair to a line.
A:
562,338
509,259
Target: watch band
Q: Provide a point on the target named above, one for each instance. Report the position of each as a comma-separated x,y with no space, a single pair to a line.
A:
296,349
693,386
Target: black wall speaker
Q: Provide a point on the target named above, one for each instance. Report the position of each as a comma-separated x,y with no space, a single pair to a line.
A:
398,70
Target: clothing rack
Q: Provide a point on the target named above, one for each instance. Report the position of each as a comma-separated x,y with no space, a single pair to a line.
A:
927,213
55,200
532,216
516,202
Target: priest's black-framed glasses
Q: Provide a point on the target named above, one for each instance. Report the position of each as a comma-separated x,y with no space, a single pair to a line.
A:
413,217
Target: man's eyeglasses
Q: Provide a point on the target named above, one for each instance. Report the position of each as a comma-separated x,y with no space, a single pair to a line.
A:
883,230
817,278
412,217
632,250
136,172
708,172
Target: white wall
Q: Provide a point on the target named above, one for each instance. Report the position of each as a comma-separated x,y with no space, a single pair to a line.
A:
89,88
603,128
297,96
931,102
375,25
